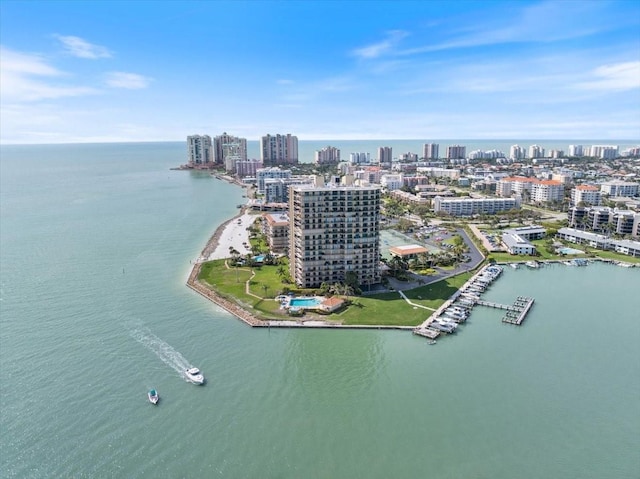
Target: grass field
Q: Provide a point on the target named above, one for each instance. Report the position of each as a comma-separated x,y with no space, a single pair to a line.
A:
387,309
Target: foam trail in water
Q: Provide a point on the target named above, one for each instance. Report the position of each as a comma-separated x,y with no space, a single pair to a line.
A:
164,351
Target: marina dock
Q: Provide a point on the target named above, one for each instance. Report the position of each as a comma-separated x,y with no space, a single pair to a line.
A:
515,312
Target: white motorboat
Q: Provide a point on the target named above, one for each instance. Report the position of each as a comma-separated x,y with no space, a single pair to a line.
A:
153,396
194,375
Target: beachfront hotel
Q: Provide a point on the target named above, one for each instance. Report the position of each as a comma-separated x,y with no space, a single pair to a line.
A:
474,206
334,231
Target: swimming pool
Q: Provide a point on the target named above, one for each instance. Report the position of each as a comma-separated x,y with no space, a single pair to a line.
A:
304,302
259,258
570,251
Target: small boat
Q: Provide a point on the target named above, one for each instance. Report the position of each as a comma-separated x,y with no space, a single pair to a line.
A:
514,265
153,396
194,375
433,341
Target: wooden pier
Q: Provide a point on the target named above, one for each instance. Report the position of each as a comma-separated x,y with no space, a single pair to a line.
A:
427,332
515,313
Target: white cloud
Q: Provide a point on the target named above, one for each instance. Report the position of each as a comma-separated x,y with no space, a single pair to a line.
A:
375,50
615,77
81,48
28,77
130,81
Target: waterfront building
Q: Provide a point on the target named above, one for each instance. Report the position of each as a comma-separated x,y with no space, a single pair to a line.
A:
529,233
587,194
576,150
275,227
263,174
473,206
329,155
334,232
632,152
414,180
358,158
516,244
199,150
409,157
628,247
410,198
516,152
225,145
604,152
536,151
456,152
276,190
279,149
431,151
247,168
619,188
605,219
385,154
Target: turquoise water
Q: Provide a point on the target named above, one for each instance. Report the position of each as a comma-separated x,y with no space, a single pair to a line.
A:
304,302
95,248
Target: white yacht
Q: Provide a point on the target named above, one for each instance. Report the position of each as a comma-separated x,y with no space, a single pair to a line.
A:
194,375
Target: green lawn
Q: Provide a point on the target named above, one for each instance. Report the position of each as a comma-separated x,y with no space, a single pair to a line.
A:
387,309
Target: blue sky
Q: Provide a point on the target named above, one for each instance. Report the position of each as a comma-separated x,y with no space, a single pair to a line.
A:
151,71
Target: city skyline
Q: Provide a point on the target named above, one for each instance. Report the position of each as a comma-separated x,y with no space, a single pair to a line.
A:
112,71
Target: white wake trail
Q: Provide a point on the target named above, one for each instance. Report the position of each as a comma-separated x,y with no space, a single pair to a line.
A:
164,351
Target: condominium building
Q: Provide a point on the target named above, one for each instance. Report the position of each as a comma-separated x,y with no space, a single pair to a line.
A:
357,158
329,155
576,150
516,152
199,150
431,151
279,149
605,219
628,247
514,185
604,152
276,229
587,194
536,151
263,174
334,232
392,181
456,152
473,206
547,191
245,168
619,188
276,190
385,154
226,145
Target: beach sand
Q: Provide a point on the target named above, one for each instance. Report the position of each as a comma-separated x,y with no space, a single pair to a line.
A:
232,234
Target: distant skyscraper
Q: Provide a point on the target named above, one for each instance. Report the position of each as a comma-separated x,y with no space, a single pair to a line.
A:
221,142
385,154
516,152
456,152
536,151
431,151
279,149
327,156
199,150
605,152
357,158
575,150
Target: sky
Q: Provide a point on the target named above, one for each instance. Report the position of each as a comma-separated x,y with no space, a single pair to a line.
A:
91,71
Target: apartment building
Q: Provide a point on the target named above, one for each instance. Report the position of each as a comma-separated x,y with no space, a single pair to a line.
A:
547,191
619,188
473,206
587,194
279,149
276,229
430,151
199,150
385,154
456,152
226,145
334,232
262,174
329,155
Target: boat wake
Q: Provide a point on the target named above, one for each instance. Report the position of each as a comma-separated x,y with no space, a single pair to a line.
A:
164,351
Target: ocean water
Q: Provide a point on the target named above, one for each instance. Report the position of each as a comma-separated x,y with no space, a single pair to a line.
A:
95,247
